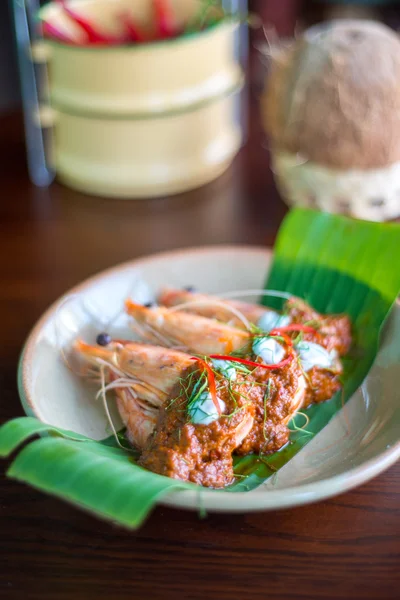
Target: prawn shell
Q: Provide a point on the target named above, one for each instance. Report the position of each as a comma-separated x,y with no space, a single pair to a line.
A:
190,332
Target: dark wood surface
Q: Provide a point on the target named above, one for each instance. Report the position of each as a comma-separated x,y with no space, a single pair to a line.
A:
347,547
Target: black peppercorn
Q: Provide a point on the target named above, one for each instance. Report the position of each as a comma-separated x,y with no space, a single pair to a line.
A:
103,339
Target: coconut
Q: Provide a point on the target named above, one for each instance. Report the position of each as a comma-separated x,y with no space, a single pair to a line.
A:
331,108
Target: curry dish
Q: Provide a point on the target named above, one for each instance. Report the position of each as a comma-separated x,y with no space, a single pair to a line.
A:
212,378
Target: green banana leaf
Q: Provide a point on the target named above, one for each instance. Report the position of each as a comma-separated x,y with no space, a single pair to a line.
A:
93,475
337,265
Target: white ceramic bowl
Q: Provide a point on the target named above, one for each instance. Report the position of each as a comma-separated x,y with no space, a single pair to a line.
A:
337,459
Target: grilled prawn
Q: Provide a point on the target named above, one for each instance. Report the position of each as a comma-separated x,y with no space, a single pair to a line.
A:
186,331
212,307
334,331
185,419
321,339
279,385
144,377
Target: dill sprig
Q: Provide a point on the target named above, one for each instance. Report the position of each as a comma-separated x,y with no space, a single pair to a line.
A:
250,383
243,351
240,476
314,323
199,387
298,339
186,386
303,428
264,459
192,393
267,397
242,368
233,393
304,373
237,410
279,338
242,395
255,330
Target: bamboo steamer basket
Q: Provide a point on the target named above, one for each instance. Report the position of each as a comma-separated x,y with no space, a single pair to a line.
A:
331,108
142,120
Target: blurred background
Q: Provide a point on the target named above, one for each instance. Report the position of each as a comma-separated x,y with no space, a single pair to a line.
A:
340,158
285,16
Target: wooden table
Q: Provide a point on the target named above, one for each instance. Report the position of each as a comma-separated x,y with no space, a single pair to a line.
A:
347,547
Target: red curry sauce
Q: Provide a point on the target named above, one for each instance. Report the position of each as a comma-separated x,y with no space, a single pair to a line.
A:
258,407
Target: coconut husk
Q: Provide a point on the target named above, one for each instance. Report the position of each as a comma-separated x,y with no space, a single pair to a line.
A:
333,95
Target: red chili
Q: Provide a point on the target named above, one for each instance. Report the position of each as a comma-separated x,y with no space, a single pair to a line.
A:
211,382
133,31
93,36
251,363
52,31
294,327
164,19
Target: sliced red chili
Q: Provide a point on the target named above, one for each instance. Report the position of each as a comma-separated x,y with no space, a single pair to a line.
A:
52,31
164,19
93,36
252,363
211,382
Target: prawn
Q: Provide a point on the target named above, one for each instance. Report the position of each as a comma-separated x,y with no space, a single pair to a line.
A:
144,377
334,331
211,307
187,332
153,387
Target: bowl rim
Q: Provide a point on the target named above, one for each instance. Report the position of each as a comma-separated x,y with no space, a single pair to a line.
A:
26,355
210,499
